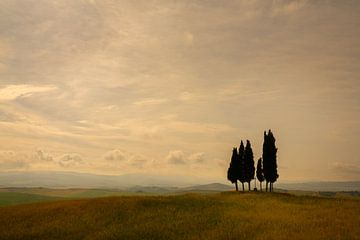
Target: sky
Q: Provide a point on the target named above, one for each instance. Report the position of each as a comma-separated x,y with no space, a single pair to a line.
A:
170,87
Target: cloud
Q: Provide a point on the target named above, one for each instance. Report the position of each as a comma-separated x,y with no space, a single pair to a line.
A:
186,96
188,38
347,168
39,159
10,160
287,7
11,92
70,160
178,157
197,157
7,117
150,101
221,163
137,160
118,157
115,155
42,156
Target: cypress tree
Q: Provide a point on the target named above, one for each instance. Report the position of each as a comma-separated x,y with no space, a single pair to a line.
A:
232,174
242,168
269,160
249,163
265,158
273,164
259,172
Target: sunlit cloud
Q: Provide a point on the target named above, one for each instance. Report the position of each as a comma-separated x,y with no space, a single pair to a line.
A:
150,101
178,157
347,168
10,160
70,160
287,7
11,92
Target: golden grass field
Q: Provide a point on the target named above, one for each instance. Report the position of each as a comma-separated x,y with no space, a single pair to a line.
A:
192,216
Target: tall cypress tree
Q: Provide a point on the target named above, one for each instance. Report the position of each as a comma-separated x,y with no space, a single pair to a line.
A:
265,158
273,164
233,173
242,167
269,160
249,163
259,172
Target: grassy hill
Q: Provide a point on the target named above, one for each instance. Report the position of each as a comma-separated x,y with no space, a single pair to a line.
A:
13,198
191,216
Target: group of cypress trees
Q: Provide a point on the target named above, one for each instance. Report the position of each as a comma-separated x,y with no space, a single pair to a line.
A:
242,164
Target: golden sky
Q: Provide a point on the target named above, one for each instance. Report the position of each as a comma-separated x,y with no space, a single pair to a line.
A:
170,87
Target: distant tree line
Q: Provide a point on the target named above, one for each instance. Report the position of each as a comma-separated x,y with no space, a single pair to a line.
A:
242,163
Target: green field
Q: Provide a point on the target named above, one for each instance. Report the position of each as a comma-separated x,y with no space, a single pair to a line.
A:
191,216
13,196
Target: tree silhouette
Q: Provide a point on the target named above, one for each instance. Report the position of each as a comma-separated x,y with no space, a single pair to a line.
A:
242,167
233,173
269,160
259,172
249,163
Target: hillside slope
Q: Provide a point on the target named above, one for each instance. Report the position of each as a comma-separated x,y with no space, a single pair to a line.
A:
192,216
13,198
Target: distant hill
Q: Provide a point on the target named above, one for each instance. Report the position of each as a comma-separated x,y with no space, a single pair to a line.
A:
321,186
87,180
147,183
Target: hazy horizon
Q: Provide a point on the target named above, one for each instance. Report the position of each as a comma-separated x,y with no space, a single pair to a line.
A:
170,87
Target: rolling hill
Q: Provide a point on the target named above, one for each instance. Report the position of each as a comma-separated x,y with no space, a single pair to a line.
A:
214,216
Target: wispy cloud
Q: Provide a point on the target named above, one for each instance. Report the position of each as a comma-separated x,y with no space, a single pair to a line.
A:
11,92
10,160
150,101
287,6
347,168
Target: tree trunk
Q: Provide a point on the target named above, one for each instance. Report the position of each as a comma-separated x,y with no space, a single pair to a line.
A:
267,183
243,186
236,186
271,187
260,186
249,185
